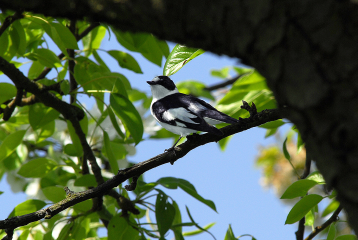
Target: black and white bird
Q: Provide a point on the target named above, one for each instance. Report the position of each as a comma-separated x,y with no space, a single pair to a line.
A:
183,114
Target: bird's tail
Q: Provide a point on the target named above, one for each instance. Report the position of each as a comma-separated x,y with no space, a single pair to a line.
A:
216,117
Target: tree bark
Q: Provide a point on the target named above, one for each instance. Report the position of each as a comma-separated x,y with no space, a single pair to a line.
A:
306,49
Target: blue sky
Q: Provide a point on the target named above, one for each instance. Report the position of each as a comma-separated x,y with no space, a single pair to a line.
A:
228,178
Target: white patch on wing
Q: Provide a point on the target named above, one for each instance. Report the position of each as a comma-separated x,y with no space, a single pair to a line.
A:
212,121
168,116
179,124
196,107
179,113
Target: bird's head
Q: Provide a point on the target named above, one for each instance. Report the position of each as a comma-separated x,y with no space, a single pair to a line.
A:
162,86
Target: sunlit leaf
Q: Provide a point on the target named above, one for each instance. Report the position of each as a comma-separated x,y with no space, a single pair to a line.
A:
298,189
29,206
7,92
87,180
331,232
111,158
37,168
317,177
54,193
125,60
179,56
129,116
230,234
10,143
221,73
301,208
120,229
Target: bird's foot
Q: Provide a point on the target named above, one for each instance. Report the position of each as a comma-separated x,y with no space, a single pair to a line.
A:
172,149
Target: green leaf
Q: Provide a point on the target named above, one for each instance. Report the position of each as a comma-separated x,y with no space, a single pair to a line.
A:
120,229
332,206
66,37
129,116
173,183
125,60
164,213
346,237
273,124
309,218
10,143
46,131
302,207
300,143
114,122
332,232
179,56
7,92
54,194
65,87
35,69
46,57
298,189
317,177
4,43
242,70
177,221
29,206
222,73
230,234
22,37
37,168
198,231
40,115
111,158
75,139
194,88
87,180
285,152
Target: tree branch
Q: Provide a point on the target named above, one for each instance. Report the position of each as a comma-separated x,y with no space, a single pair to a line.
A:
71,63
140,168
9,20
319,229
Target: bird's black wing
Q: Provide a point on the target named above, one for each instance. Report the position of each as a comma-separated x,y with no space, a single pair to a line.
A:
177,110
212,112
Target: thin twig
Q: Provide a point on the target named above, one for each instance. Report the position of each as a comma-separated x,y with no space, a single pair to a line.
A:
319,229
301,225
223,84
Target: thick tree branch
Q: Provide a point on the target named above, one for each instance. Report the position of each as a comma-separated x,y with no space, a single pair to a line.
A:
319,229
140,168
70,112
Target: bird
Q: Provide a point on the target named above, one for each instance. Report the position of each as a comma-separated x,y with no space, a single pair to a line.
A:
183,114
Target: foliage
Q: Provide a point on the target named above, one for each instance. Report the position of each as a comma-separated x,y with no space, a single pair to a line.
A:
40,146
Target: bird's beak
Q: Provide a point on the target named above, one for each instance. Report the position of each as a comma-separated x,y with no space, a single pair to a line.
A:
151,82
